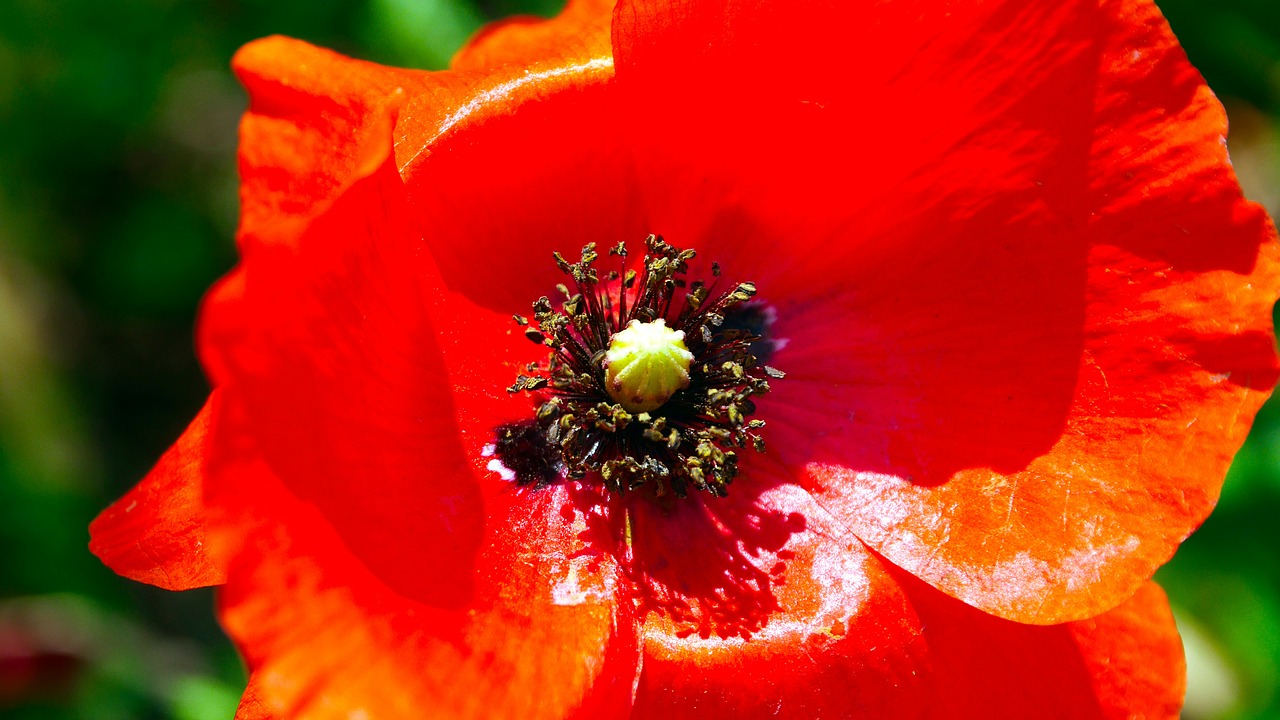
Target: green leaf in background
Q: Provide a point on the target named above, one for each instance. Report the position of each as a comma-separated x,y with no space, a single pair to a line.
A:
423,33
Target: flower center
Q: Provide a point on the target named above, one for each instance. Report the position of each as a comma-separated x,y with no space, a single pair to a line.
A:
641,389
646,364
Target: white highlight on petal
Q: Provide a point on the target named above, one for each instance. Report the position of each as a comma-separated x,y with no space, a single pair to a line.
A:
506,90
503,471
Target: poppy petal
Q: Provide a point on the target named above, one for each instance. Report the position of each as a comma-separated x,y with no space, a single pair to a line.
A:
531,166
818,128
330,344
312,111
1135,655
1026,308
580,32
559,171
156,533
252,706
761,605
854,637
324,637
1125,663
309,115
497,196
1151,414
381,542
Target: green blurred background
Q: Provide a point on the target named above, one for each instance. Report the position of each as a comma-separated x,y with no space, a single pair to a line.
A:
117,210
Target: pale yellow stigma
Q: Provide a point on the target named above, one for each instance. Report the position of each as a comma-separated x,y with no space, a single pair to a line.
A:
646,364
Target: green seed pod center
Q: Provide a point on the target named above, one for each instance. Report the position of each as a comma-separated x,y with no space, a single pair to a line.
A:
646,364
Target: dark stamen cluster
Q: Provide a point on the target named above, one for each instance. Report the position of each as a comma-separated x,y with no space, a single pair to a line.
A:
687,442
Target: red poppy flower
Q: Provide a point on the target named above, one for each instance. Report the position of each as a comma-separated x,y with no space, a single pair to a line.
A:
1023,310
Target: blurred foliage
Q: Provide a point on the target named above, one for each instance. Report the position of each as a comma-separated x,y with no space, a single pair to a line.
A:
117,208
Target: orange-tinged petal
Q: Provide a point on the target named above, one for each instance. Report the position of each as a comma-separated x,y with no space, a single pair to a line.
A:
1174,355
1126,663
252,706
1026,309
556,168
850,636
1135,656
157,532
310,113
580,32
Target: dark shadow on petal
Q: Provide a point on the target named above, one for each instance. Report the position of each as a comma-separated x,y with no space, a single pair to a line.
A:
695,560
1247,360
1163,191
988,667
959,351
1187,232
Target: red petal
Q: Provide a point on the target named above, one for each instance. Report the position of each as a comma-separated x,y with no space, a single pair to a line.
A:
312,111
557,172
331,345
1028,312
580,32
1135,655
540,636
1126,663
534,165
820,128
853,637
157,532
554,169
309,115
393,573
391,544
761,606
